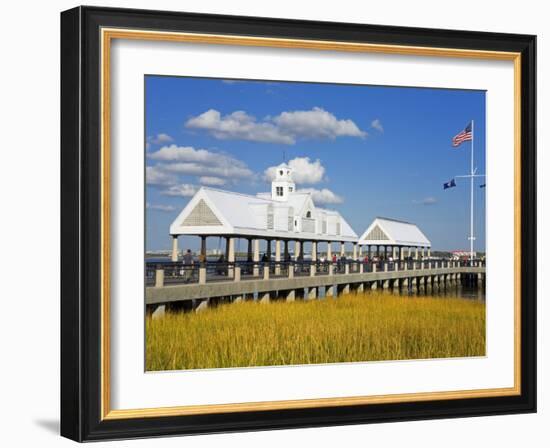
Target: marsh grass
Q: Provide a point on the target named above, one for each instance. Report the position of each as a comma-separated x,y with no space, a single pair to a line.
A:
364,327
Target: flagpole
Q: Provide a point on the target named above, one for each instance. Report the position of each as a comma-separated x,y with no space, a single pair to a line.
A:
472,196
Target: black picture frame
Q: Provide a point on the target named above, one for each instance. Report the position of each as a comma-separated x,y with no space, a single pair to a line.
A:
81,224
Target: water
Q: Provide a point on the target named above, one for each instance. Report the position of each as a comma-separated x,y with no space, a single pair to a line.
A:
454,291
166,259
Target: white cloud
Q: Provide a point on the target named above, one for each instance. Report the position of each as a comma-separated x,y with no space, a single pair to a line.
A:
157,176
323,196
377,124
183,190
284,128
197,169
238,126
316,123
212,180
161,207
174,153
160,139
187,160
430,200
304,171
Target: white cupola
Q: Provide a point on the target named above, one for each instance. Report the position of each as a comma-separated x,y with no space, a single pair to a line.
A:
282,186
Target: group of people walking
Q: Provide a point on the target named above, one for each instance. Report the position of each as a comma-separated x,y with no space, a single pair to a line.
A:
220,266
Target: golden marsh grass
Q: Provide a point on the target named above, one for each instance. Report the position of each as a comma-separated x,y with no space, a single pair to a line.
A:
363,327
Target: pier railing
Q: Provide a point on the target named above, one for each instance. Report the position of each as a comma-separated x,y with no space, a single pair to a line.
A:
166,273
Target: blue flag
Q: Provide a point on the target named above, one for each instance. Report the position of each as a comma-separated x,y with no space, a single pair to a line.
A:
449,184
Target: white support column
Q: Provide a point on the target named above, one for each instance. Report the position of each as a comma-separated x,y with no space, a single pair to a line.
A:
249,250
342,249
423,253
256,257
395,284
313,258
329,258
202,306
174,248
230,255
277,257
159,312
354,251
361,252
429,252
297,249
203,249
416,253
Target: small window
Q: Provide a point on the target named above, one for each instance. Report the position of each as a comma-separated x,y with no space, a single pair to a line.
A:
290,189
308,214
279,191
281,172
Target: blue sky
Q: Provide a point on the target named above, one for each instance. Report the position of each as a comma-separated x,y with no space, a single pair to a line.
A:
365,151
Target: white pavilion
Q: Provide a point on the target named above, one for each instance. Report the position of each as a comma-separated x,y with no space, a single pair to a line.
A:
279,216
400,238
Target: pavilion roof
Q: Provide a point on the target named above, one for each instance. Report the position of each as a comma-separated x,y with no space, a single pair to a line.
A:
387,231
212,211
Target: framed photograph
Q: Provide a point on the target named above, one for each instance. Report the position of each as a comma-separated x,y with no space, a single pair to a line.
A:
277,224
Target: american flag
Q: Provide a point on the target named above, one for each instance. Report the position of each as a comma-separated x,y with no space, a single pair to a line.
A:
463,136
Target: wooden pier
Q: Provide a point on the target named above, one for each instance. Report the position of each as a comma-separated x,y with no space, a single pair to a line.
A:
290,280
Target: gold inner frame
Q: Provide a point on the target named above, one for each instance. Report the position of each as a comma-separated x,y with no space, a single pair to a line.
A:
107,35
